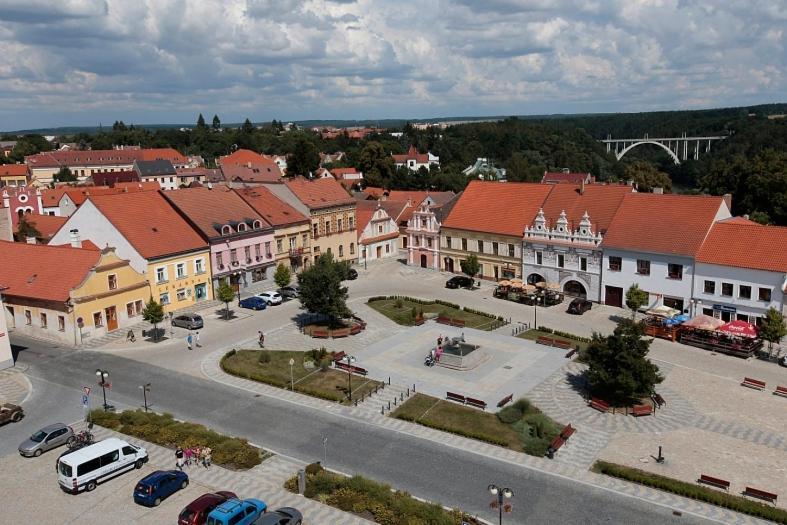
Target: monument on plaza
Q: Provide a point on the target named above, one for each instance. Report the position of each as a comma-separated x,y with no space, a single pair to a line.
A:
461,355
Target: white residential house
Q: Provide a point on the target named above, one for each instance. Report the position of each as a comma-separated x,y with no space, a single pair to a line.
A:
414,161
377,232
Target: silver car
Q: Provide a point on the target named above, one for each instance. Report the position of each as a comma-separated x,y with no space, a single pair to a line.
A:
47,438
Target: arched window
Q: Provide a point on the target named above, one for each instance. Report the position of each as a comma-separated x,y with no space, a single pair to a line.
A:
226,229
257,225
242,227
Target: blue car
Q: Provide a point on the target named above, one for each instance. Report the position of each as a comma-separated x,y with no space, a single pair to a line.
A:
237,512
158,486
254,303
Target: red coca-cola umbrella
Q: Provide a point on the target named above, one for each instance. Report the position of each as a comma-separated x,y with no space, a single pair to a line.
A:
741,328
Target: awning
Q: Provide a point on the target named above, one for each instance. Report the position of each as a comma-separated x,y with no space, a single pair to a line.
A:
663,311
703,322
740,328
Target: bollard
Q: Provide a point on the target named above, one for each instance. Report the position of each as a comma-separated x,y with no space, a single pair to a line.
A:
401,396
394,401
389,406
389,380
382,410
408,391
301,481
413,387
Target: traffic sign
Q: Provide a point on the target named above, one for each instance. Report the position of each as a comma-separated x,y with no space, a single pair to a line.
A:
86,389
85,400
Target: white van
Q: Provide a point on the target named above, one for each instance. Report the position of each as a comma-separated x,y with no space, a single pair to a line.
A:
88,466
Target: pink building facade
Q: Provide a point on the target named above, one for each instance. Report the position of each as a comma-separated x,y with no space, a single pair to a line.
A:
423,237
243,254
20,201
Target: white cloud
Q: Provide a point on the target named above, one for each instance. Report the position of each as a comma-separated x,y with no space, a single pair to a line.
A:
83,61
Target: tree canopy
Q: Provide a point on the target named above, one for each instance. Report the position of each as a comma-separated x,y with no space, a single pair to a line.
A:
320,288
636,298
304,159
470,266
154,314
773,328
226,295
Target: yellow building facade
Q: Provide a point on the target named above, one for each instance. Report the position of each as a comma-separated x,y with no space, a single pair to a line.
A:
500,256
333,231
179,281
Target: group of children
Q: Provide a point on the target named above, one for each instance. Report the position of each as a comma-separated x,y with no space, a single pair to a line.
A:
195,455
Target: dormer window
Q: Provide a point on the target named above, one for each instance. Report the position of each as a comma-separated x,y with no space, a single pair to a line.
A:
226,229
257,225
242,227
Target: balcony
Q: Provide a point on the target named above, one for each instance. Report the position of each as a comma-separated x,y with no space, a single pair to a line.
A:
296,252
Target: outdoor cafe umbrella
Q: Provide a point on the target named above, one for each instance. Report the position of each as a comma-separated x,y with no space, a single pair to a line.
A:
529,288
553,286
516,285
516,280
504,282
740,328
663,311
703,322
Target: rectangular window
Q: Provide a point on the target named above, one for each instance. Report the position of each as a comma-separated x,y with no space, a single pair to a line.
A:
257,250
429,242
350,223
709,287
764,294
338,225
643,267
480,246
163,298
138,307
268,249
98,320
247,253
352,248
615,263
112,280
181,294
234,256
464,244
387,248
180,270
583,264
539,258
61,323
494,248
417,240
305,240
220,260
341,250
161,274
293,242
130,309
726,289
675,271
561,260
379,228
447,241
28,318
279,246
327,227
199,266
43,320
89,466
744,292
314,230
510,250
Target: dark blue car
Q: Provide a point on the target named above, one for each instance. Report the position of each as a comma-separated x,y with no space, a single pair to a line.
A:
158,486
254,302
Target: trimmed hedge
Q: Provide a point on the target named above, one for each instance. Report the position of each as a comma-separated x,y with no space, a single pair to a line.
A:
163,429
365,497
567,335
436,301
464,433
690,490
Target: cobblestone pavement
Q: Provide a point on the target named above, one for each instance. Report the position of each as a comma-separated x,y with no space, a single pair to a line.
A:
14,386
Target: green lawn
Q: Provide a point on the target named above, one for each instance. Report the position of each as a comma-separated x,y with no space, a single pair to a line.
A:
404,316
534,334
330,384
526,429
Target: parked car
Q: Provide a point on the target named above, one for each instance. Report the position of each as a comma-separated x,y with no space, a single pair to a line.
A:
282,516
47,438
270,297
190,321
352,274
254,303
289,292
158,486
579,306
11,412
230,512
93,464
783,361
196,512
459,281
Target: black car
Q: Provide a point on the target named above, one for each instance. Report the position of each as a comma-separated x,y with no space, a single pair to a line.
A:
282,516
579,306
459,282
352,274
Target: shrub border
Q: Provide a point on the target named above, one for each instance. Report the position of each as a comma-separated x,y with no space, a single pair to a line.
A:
416,300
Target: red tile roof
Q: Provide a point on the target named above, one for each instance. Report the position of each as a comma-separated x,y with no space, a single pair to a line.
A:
138,186
412,154
274,210
494,207
149,223
561,177
599,201
254,173
110,178
746,245
79,194
245,157
39,271
54,159
13,170
210,209
47,225
319,193
364,210
50,197
669,224
169,154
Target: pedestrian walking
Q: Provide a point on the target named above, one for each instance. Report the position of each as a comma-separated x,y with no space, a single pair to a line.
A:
188,453
196,340
261,339
439,340
189,340
179,458
208,458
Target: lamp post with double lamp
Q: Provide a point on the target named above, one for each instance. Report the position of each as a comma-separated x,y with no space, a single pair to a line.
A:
145,389
350,360
501,493
102,380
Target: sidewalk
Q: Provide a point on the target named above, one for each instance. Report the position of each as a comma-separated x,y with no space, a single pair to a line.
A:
15,387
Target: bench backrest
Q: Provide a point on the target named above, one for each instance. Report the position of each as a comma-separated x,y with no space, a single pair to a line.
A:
761,493
753,381
475,401
781,389
452,395
716,481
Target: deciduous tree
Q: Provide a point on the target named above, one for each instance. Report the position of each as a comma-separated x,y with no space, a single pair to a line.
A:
226,295
154,314
636,298
282,276
321,290
470,266
304,159
773,328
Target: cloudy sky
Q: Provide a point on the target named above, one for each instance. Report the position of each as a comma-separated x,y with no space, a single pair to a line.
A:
85,62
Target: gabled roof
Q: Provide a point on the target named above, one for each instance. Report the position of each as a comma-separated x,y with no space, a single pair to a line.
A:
13,170
102,157
319,193
210,209
110,178
253,173
39,271
364,211
745,244
668,224
494,207
274,210
149,223
169,154
442,211
47,225
417,197
50,197
599,201
412,154
562,177
245,157
341,172
154,168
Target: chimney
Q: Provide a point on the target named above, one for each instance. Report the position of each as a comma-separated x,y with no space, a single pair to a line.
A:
248,164
582,186
75,240
658,190
30,240
210,185
746,216
727,197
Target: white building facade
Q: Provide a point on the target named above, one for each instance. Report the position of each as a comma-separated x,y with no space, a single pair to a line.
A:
378,238
744,294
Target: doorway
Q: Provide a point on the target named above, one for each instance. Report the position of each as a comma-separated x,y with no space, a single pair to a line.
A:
423,260
449,265
575,289
379,252
112,318
10,320
614,296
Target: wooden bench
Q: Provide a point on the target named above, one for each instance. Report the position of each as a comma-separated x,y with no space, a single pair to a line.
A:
753,383
641,410
658,400
460,323
760,494
503,402
567,432
554,446
320,334
475,403
455,397
543,340
571,353
559,343
716,482
599,404
444,320
780,391
339,356
355,329
420,321
352,369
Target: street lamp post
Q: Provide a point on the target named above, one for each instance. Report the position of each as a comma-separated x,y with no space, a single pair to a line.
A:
292,377
325,450
102,380
350,359
145,389
535,312
501,493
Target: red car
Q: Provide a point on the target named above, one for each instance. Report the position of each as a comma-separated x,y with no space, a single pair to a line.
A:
196,512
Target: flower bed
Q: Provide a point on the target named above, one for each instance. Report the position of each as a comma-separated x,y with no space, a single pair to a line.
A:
410,311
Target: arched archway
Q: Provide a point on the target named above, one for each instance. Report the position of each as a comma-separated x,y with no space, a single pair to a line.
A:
534,278
575,289
659,144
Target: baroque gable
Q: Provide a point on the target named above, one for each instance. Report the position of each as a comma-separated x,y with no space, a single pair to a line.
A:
562,231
